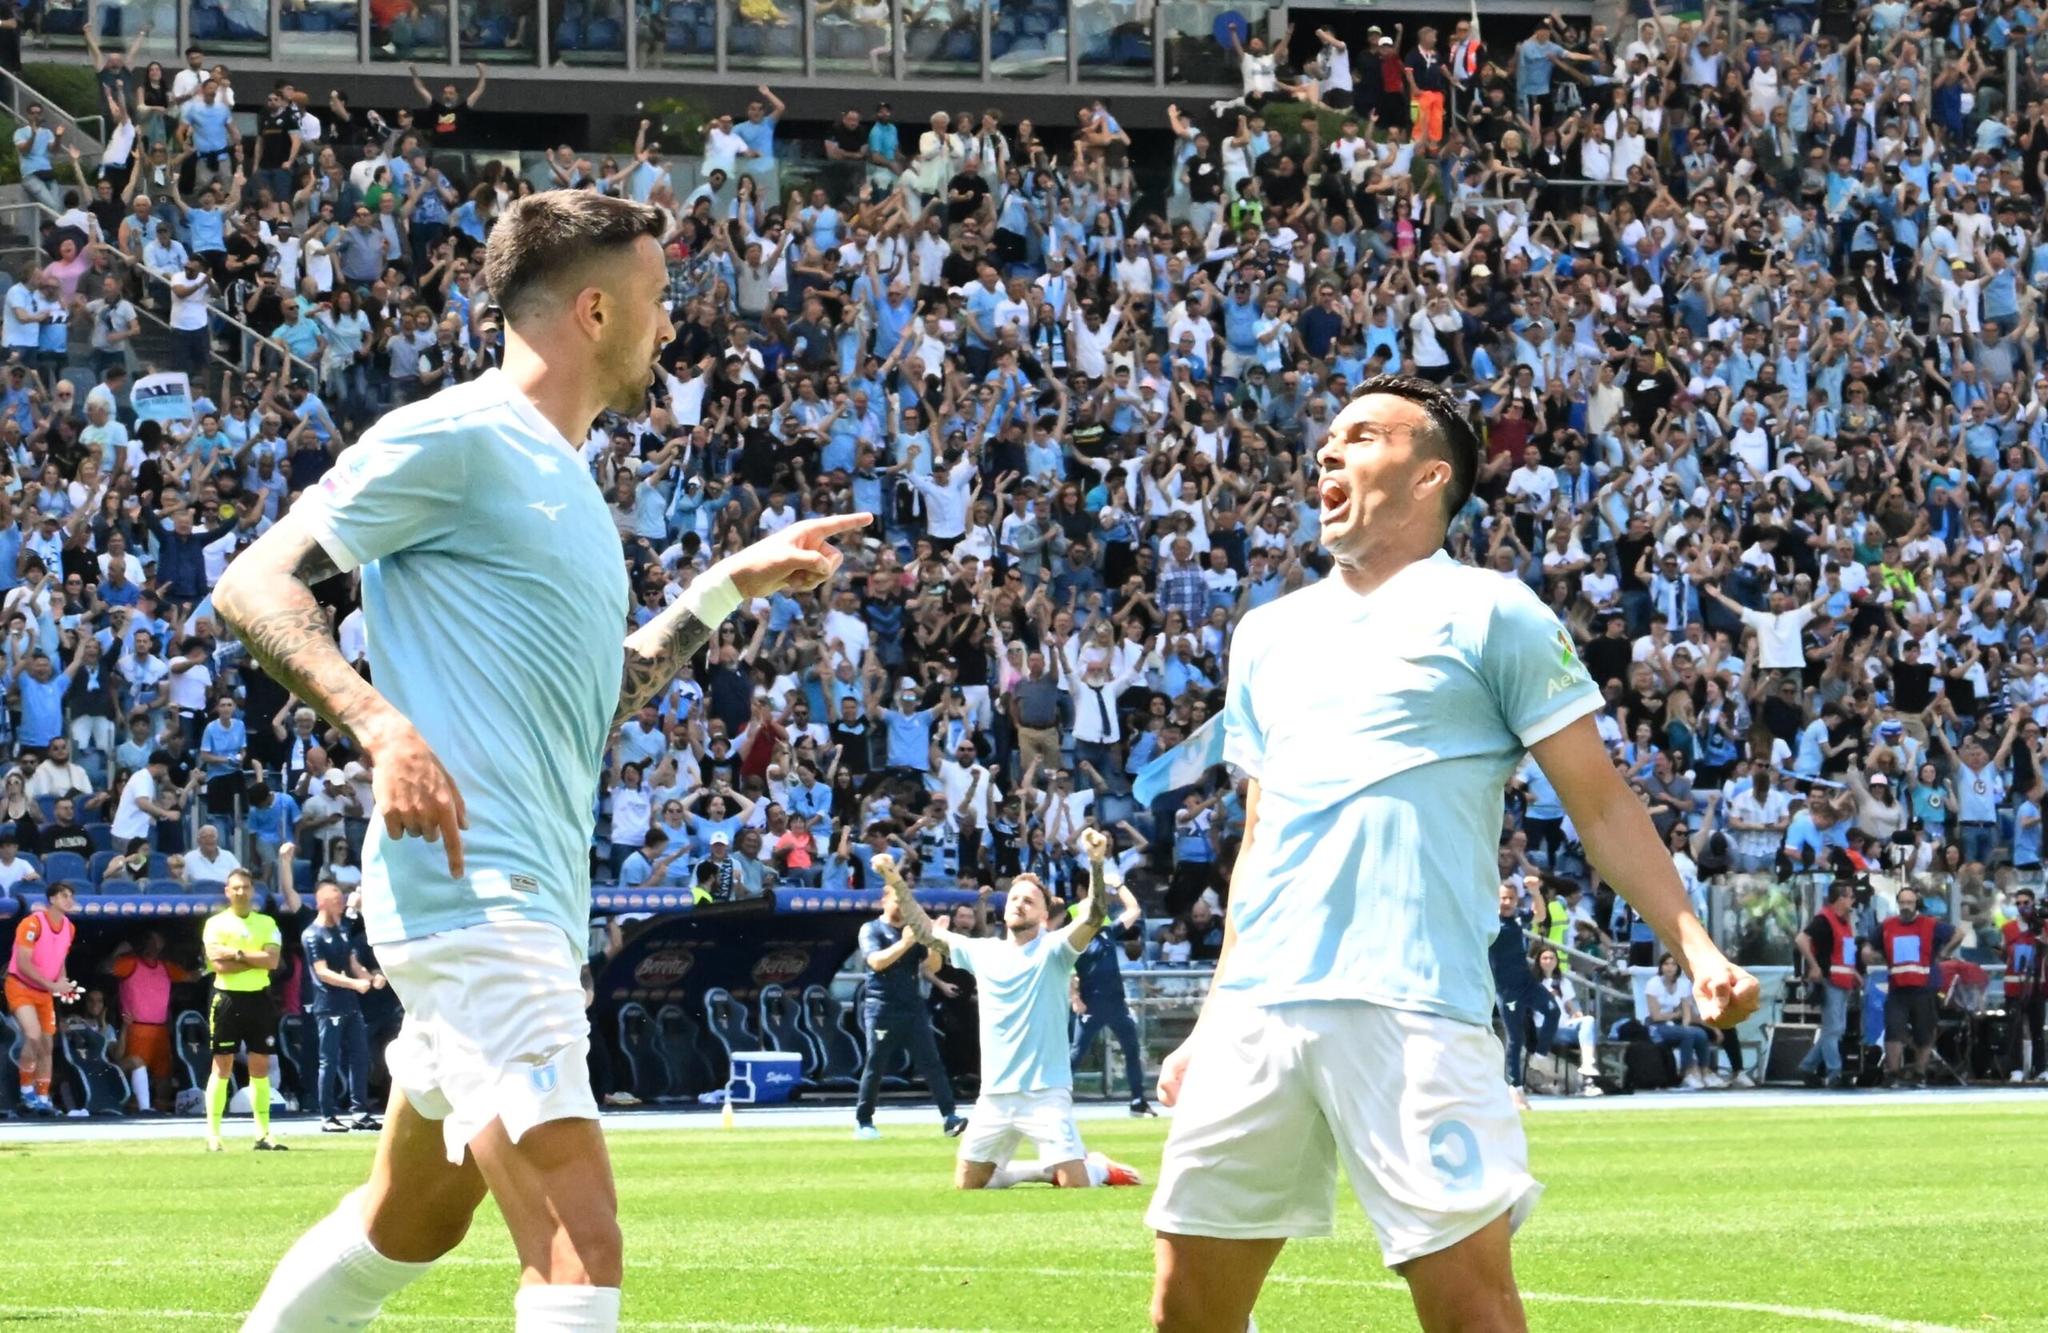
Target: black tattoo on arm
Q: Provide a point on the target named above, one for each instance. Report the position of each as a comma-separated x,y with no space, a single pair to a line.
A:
266,598
656,653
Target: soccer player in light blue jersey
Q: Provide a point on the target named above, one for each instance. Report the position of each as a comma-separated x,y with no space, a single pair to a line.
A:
1379,714
495,593
1027,1080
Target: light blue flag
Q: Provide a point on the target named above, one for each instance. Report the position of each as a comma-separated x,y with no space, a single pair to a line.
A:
1183,765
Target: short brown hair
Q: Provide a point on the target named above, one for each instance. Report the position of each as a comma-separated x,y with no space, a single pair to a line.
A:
544,235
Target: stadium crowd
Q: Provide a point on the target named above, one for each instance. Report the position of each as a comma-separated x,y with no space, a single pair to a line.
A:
1748,315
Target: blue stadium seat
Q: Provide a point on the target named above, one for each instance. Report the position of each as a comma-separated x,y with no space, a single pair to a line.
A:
165,886
99,1087
302,875
102,836
98,867
693,1058
604,34
569,34
66,865
46,807
188,1034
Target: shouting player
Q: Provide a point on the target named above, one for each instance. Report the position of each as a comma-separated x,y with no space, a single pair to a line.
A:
1027,1080
1378,714
494,589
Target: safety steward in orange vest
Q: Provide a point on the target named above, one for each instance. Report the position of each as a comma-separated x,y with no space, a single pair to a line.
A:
1912,945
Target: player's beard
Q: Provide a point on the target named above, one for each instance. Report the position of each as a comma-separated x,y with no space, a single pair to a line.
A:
628,395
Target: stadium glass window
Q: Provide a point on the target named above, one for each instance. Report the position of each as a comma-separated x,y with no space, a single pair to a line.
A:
591,32
228,27
764,34
1028,40
677,33
409,31
853,36
319,29
1115,39
500,32
942,39
1194,53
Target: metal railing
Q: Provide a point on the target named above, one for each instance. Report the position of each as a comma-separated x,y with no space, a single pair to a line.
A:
145,273
20,94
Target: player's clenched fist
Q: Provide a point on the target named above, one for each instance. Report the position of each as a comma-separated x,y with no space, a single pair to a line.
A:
1172,1071
414,793
1095,843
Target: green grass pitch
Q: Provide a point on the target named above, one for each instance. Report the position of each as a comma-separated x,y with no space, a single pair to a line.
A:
1908,1217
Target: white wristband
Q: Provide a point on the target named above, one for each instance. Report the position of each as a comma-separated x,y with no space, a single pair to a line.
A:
711,597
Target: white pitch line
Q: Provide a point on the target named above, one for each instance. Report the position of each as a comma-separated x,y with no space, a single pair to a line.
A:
660,1325
1812,1314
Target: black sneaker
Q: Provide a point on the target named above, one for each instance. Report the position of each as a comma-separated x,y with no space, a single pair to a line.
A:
334,1124
1812,1078
366,1122
270,1145
1841,1083
1142,1109
956,1125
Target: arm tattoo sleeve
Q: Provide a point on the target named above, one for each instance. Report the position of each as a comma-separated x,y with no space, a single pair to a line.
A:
286,631
655,653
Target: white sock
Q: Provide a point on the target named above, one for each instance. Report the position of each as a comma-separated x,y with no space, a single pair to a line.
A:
138,1080
550,1309
331,1278
1098,1172
1010,1173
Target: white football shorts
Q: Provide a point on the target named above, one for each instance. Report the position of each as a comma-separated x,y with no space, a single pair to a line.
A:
495,1029
1002,1120
1413,1105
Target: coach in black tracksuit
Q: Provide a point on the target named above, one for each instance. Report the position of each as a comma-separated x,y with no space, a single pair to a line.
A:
894,1017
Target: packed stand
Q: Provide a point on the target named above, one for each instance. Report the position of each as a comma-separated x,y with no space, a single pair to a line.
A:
1747,315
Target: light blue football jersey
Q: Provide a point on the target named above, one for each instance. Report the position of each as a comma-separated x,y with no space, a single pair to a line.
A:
1381,730
1023,1002
495,599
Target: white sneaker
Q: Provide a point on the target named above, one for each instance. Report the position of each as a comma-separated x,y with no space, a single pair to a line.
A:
1742,1080
2018,1076
2041,1077
1692,1082
1591,1089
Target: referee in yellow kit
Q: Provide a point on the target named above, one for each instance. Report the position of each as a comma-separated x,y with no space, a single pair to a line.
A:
243,946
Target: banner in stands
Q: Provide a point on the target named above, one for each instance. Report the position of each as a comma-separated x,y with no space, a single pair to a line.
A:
166,397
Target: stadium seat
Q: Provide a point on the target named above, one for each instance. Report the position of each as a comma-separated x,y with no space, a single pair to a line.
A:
781,1018
164,886
66,865
188,1036
46,807
97,1083
839,1054
726,1019
647,1072
302,875
97,869
31,859
298,1048
694,1060
604,34
102,836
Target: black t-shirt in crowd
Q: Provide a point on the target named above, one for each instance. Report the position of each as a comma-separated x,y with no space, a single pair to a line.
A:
969,183
1912,686
65,838
852,740
274,131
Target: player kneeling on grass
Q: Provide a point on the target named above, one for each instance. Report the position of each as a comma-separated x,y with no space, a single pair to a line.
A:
1027,1081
